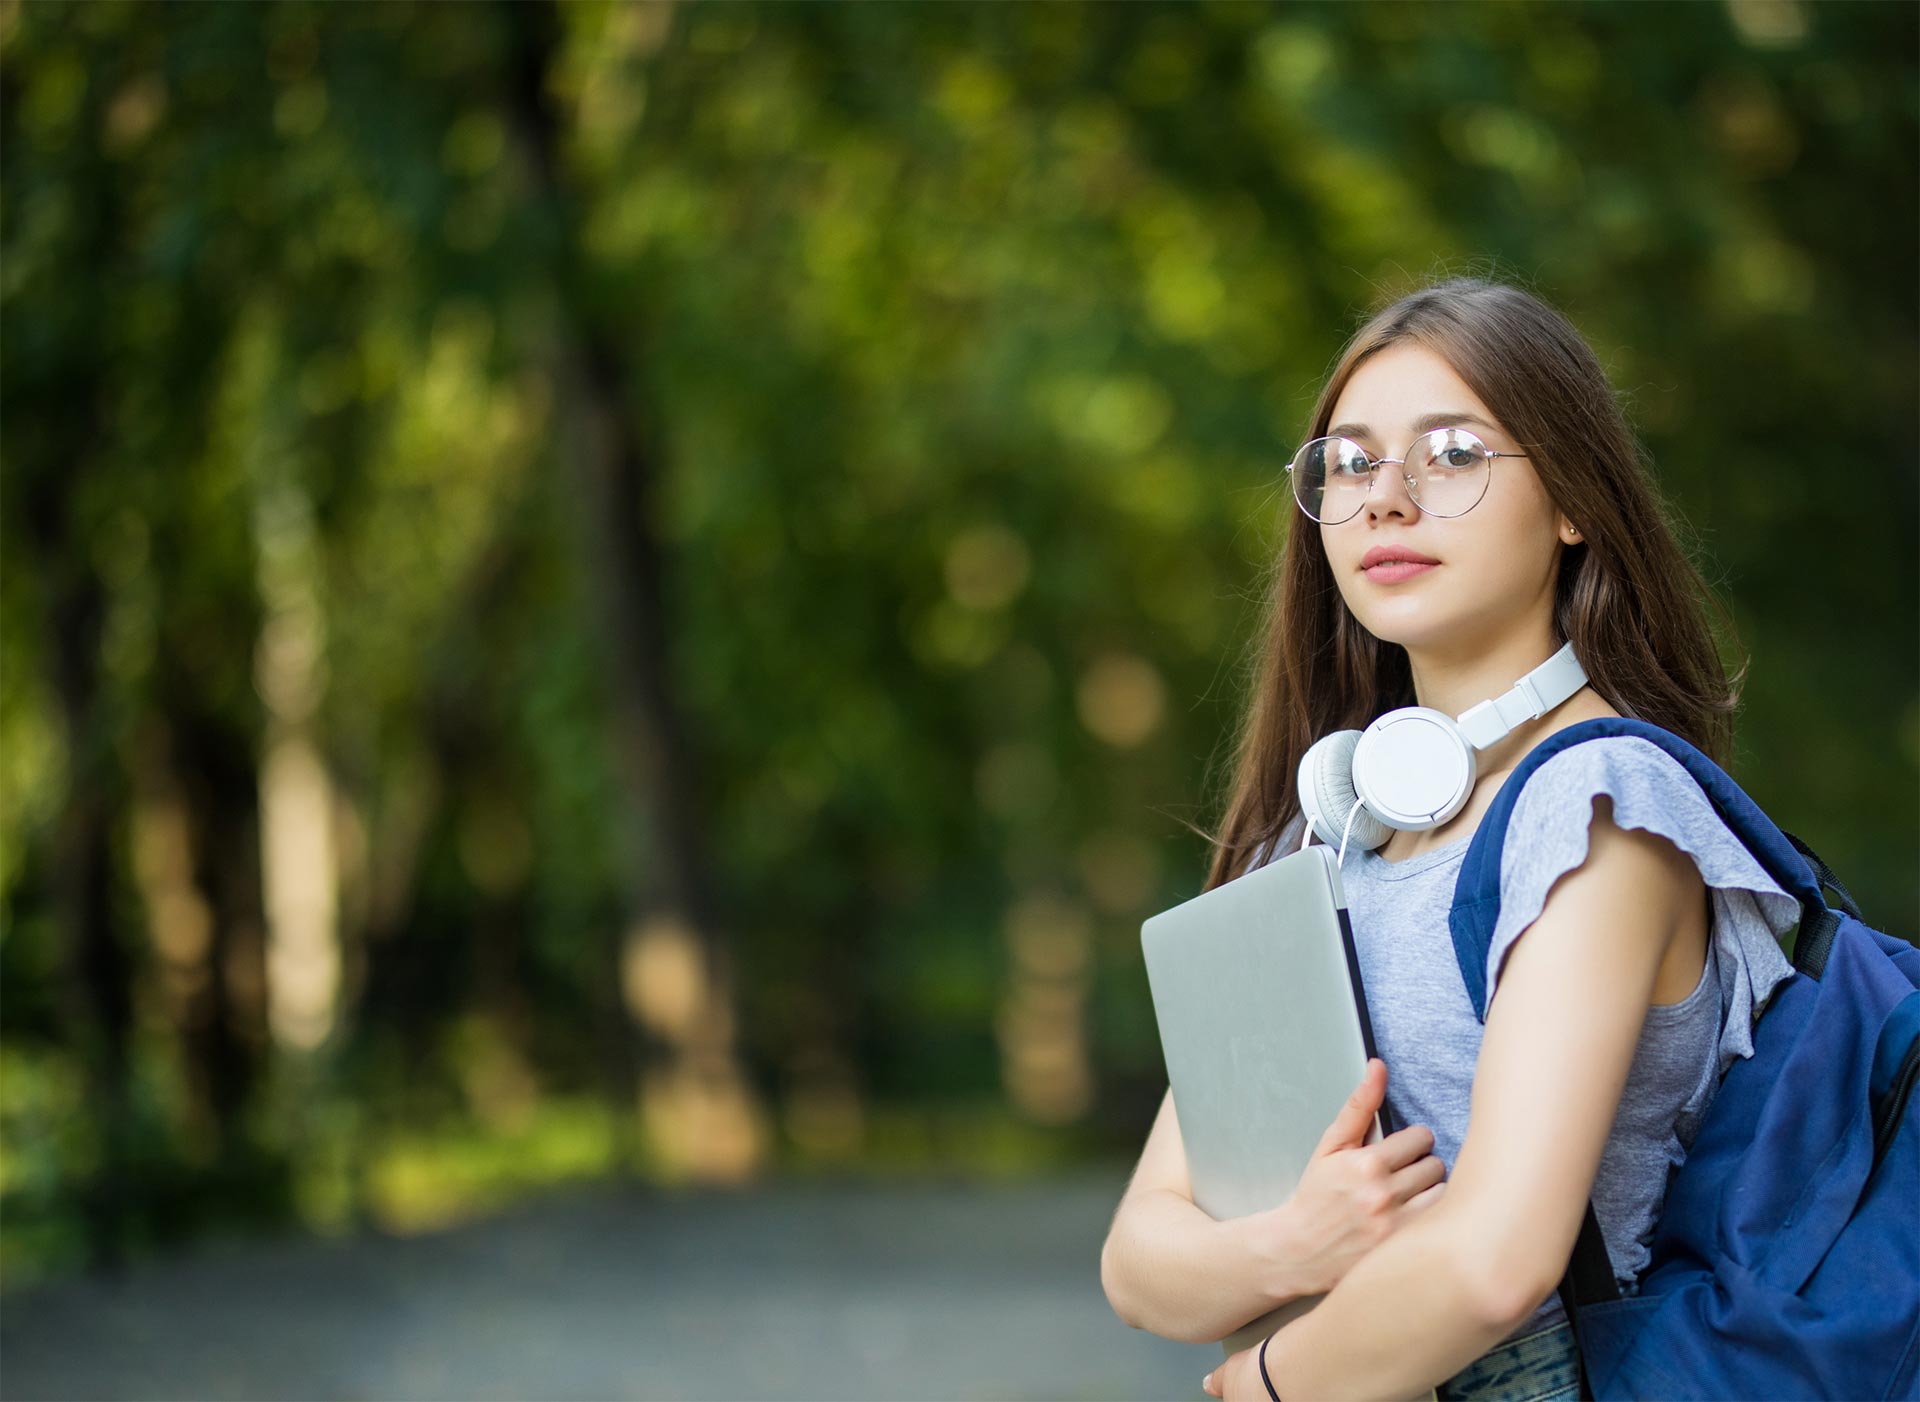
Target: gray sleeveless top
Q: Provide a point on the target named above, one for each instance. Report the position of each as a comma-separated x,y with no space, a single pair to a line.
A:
1425,1028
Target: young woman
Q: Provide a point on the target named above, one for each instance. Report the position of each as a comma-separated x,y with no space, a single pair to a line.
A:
1475,431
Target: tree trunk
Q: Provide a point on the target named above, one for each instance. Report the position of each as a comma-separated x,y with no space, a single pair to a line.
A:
675,963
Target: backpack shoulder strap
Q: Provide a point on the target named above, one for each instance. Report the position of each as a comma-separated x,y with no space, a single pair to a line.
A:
1476,895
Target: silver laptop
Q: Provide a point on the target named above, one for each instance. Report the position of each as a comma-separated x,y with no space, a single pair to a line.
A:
1264,1026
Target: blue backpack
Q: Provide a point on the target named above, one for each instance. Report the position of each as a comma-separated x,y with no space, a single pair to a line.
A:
1786,1258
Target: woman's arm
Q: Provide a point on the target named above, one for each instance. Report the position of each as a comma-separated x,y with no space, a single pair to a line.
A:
1560,1038
1169,1268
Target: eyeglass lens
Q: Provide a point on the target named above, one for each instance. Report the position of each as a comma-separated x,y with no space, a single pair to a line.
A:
1448,469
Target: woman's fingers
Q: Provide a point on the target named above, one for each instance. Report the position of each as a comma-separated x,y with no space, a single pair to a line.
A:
1404,1146
1418,1179
1419,1202
1349,1127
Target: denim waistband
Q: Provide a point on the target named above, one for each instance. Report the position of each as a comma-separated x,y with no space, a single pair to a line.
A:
1542,1367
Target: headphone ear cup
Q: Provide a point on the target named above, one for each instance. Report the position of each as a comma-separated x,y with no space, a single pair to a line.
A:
1327,795
1412,768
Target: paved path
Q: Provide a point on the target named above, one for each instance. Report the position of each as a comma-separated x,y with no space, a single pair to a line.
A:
797,1291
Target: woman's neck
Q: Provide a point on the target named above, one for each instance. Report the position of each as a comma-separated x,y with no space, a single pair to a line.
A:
1453,682
1491,769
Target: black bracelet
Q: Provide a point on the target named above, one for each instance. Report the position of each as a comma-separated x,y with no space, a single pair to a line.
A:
1263,1369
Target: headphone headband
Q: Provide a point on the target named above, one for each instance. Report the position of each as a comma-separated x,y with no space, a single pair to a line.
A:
1413,768
1538,692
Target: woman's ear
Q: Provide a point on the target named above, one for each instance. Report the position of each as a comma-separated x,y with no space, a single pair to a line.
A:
1569,533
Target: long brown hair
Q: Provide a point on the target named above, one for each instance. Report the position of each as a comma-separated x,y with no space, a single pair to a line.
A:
1629,598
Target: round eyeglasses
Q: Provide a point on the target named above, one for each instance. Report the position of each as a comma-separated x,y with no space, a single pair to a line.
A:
1447,472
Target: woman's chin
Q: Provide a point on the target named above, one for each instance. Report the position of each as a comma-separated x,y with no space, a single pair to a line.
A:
1415,628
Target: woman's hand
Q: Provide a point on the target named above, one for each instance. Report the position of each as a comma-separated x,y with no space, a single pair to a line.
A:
1353,1194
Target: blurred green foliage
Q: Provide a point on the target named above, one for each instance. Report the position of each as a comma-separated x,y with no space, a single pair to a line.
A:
969,342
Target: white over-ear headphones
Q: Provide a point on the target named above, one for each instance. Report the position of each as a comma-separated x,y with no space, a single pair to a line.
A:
1414,768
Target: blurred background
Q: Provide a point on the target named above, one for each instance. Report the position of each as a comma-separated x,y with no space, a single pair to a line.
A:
613,614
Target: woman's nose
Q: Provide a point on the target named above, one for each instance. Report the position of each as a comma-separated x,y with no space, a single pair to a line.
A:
1389,492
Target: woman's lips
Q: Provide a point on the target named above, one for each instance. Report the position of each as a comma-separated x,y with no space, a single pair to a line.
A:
1393,571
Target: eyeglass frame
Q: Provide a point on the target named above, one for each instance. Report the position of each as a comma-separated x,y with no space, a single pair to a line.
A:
1373,472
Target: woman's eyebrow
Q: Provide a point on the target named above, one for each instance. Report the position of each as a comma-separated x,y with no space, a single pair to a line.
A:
1441,418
